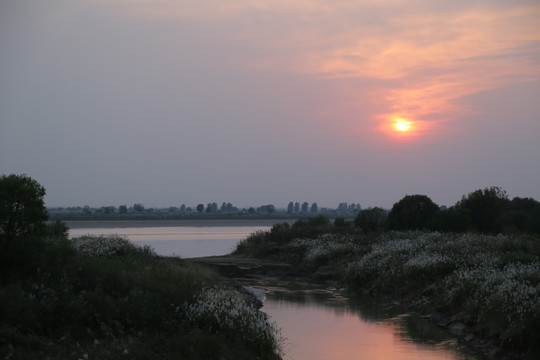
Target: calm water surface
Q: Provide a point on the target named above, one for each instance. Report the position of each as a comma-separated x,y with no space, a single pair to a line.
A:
184,241
325,328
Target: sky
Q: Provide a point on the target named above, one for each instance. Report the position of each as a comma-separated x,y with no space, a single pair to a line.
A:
170,102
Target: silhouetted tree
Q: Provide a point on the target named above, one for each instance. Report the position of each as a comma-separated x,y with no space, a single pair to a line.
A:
290,207
454,219
122,209
413,212
228,207
108,209
524,215
314,207
200,208
138,207
296,206
305,206
486,208
342,207
22,209
266,209
370,219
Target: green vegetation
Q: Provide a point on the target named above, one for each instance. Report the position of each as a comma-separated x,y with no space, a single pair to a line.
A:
492,282
105,298
487,211
22,210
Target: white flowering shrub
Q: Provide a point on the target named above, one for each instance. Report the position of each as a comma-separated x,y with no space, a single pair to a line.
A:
323,247
112,245
229,311
488,291
499,288
428,255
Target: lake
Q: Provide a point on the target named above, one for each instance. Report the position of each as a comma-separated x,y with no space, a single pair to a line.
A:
317,325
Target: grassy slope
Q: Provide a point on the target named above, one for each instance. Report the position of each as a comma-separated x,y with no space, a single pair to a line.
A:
100,301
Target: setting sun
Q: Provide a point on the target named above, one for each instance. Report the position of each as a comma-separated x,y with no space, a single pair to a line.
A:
403,125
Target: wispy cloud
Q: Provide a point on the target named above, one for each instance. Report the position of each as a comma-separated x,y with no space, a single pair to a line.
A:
418,58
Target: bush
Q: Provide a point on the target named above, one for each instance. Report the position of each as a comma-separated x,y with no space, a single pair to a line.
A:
114,245
115,300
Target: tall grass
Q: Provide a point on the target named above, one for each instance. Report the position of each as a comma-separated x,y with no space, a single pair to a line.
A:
105,298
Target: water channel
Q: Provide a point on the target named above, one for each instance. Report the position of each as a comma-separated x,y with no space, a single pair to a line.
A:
316,324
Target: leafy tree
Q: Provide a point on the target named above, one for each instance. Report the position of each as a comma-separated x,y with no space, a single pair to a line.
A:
108,209
314,207
342,207
138,207
290,207
22,209
122,209
486,207
454,219
370,219
305,206
413,212
200,208
266,209
211,207
296,206
524,215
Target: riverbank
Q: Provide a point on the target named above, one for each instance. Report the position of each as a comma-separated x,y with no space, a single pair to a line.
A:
484,289
98,297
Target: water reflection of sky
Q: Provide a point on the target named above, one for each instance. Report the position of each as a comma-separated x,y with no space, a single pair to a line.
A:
184,241
320,328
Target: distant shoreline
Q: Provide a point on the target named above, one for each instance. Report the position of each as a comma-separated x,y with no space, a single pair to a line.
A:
92,224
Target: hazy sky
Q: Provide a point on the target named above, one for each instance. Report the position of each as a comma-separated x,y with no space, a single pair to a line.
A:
164,102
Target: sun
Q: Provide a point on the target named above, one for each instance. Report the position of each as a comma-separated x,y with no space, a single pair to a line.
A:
403,125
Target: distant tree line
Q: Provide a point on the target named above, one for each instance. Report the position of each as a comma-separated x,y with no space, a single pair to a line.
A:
487,211
293,208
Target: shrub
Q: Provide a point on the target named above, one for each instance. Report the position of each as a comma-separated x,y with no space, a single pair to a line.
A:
113,245
233,313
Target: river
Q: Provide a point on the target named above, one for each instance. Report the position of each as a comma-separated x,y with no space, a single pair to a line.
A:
320,325
316,325
186,239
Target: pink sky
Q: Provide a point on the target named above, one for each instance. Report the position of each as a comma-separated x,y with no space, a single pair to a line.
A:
110,102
